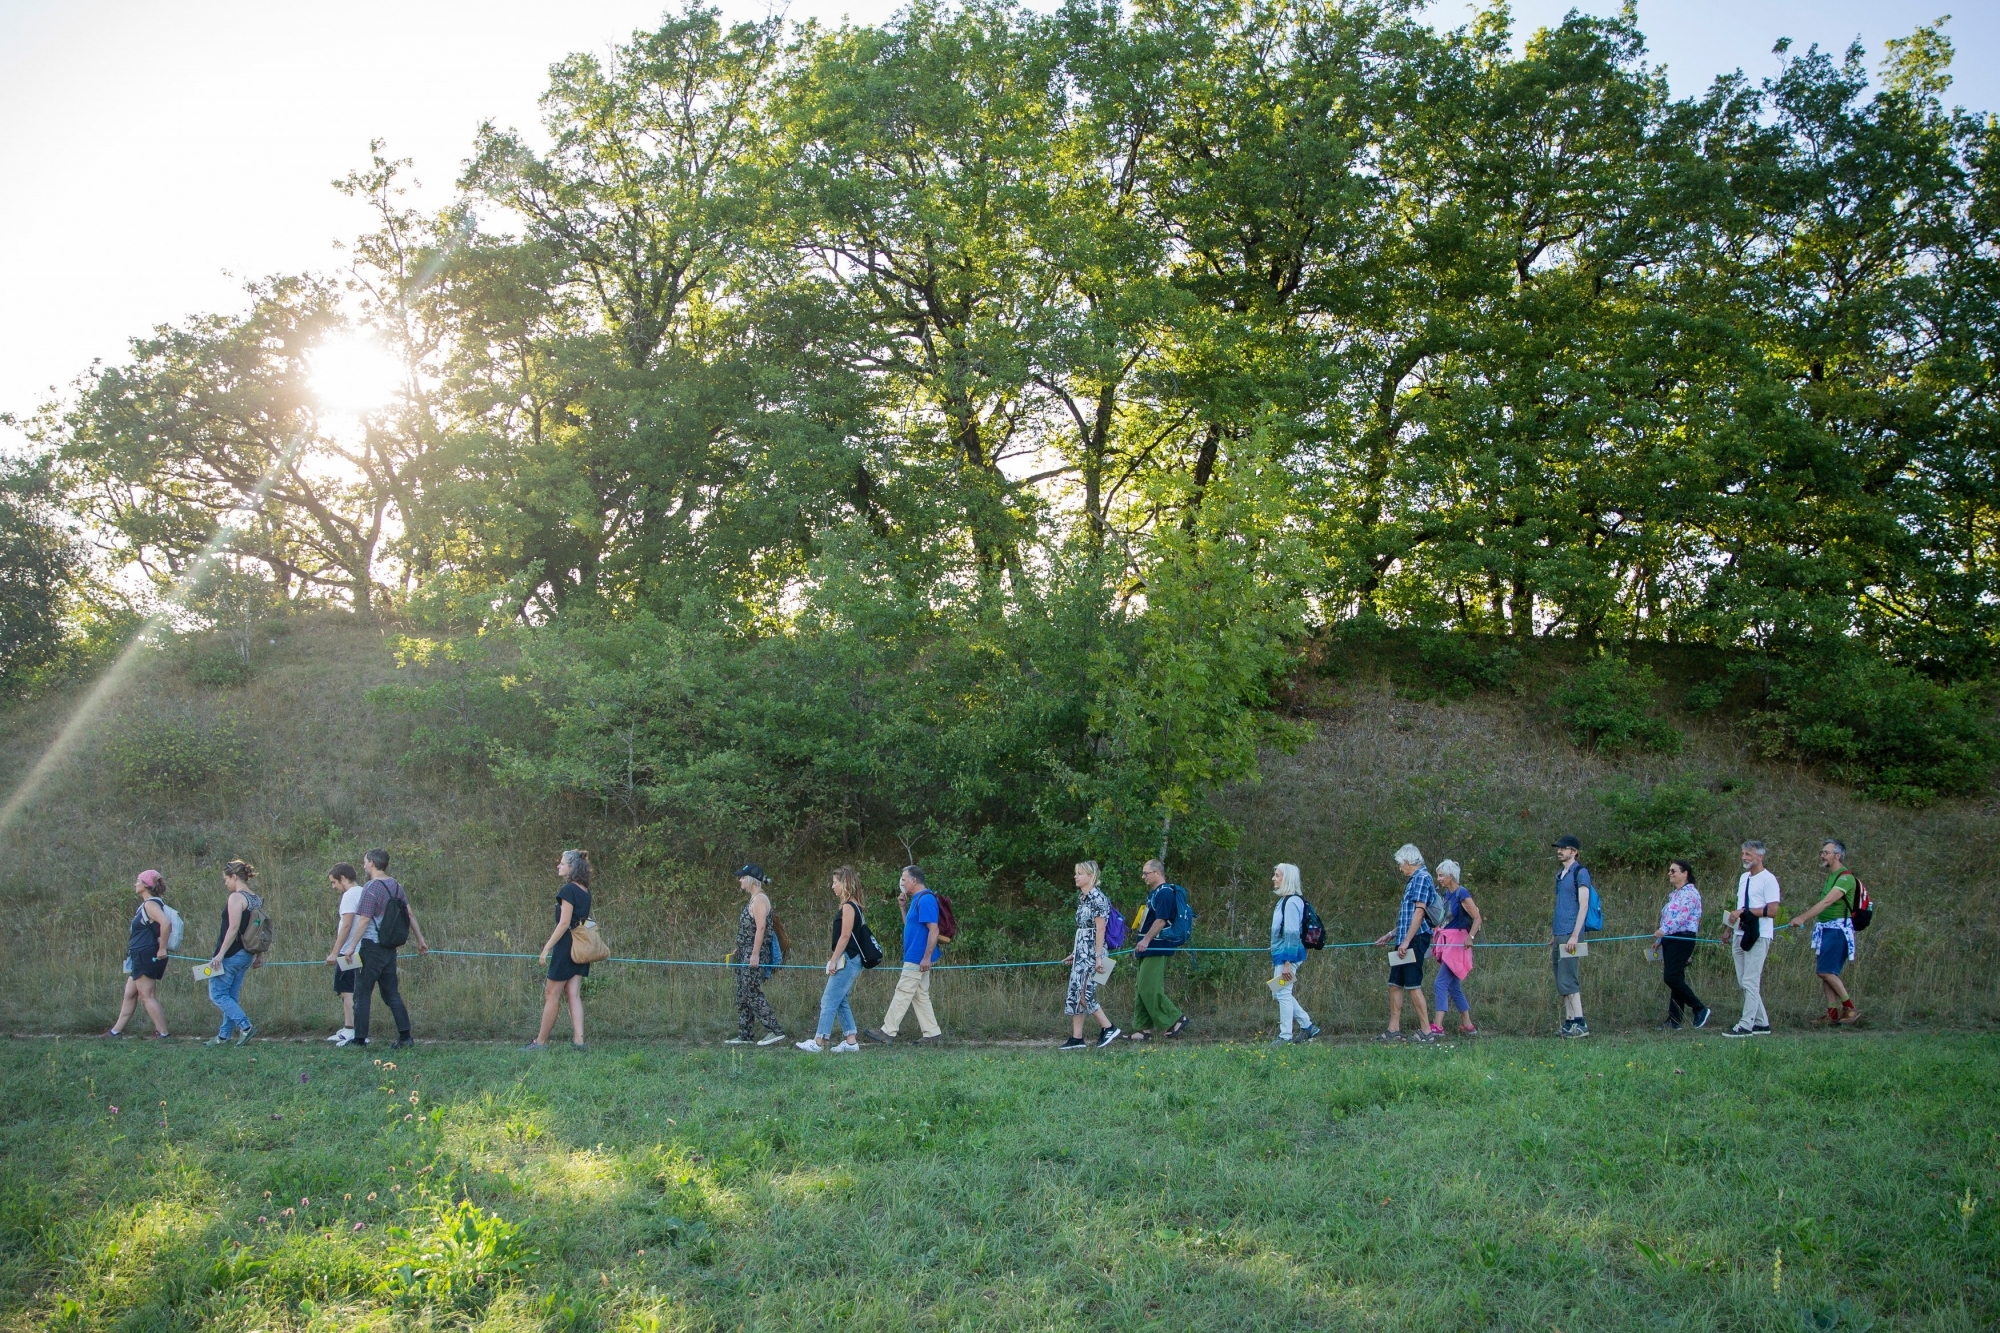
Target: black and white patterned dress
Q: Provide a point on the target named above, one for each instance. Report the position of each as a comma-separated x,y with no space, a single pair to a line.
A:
1091,908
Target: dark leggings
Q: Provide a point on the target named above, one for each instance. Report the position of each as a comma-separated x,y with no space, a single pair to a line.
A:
378,967
1675,950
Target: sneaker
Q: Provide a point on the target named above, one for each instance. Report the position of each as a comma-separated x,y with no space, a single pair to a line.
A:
113,1033
1282,1041
342,1038
1568,1026
1761,1030
574,1046
811,1046
1701,1019
536,1046
1468,1031
216,1041
1387,1037
1074,1044
1106,1037
244,1034
1437,1029
1179,1023
848,1047
934,1039
161,1036
738,1041
1582,1029
1849,1017
404,1043
1310,1033
771,1039
1739,1032
880,1038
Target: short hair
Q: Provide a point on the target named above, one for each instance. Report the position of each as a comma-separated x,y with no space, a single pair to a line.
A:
242,870
1450,868
1408,855
848,880
1839,847
1755,846
376,857
343,871
1154,863
575,865
1096,875
914,872
1288,879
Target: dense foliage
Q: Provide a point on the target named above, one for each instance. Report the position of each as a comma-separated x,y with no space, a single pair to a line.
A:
946,428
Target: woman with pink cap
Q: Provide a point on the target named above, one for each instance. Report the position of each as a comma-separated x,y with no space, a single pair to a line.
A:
145,956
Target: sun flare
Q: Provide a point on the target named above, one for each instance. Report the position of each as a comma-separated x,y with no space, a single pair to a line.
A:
353,374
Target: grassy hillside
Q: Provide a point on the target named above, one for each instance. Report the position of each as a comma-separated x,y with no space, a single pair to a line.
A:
1634,1183
310,774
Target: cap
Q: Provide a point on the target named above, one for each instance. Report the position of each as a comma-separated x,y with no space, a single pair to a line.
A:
151,879
754,871
1569,840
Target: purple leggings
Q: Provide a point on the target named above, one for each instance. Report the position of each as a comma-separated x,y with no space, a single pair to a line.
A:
1448,988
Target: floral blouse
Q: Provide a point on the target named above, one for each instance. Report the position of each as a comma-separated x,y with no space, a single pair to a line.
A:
1682,914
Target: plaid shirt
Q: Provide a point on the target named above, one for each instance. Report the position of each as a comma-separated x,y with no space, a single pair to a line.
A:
1418,894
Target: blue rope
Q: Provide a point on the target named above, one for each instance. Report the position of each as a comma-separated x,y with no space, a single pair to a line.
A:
953,967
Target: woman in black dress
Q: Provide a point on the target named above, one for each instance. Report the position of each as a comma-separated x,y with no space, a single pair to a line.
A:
145,956
572,909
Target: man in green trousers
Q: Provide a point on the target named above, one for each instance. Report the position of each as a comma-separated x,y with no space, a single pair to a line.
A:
1166,905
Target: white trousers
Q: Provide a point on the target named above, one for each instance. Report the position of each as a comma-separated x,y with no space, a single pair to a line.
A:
1289,1009
1750,976
913,991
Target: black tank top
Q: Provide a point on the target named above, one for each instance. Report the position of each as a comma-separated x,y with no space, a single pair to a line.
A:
144,940
236,945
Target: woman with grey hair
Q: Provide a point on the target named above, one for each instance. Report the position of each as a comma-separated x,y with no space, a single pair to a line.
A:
1454,948
565,974
1288,952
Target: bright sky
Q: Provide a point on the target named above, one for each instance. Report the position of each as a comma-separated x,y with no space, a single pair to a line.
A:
161,153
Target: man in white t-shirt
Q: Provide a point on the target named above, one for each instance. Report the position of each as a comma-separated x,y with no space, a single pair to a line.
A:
341,877
1752,923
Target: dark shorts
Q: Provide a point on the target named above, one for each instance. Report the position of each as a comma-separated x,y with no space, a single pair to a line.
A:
147,965
1410,976
1567,980
343,980
1832,951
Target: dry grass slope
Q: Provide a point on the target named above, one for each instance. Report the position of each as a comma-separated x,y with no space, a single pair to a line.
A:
313,778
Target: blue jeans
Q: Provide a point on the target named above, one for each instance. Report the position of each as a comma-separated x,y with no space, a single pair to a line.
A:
833,1000
225,987
1449,990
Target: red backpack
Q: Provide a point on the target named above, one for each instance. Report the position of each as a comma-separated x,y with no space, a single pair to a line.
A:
1862,910
947,920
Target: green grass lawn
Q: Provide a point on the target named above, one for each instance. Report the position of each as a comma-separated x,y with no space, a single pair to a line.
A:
1509,1184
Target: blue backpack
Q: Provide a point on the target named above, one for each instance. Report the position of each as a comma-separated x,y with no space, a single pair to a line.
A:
1182,930
1594,918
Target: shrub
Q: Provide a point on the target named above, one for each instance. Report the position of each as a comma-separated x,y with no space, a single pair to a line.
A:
219,666
1608,706
1654,825
1885,730
458,1260
173,753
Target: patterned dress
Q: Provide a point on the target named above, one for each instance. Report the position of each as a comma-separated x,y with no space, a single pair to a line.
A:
751,1006
1091,908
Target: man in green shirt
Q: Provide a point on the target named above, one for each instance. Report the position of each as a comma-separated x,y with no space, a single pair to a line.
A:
1833,931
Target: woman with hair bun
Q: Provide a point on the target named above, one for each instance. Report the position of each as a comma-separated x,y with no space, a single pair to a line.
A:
232,962
145,956
565,974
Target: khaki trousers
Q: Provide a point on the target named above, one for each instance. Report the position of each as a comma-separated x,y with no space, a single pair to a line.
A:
913,991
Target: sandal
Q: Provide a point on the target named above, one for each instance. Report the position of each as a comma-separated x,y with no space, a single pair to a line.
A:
1386,1037
1138,1036
1179,1023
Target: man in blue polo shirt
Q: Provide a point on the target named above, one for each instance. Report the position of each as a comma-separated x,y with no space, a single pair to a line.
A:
920,951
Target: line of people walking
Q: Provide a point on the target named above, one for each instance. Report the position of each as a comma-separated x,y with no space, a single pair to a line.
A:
1437,918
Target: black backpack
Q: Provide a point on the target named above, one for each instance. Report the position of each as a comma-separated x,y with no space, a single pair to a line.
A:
865,942
1312,931
393,930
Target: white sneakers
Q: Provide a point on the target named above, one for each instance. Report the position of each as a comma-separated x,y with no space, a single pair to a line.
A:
342,1037
771,1039
814,1046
